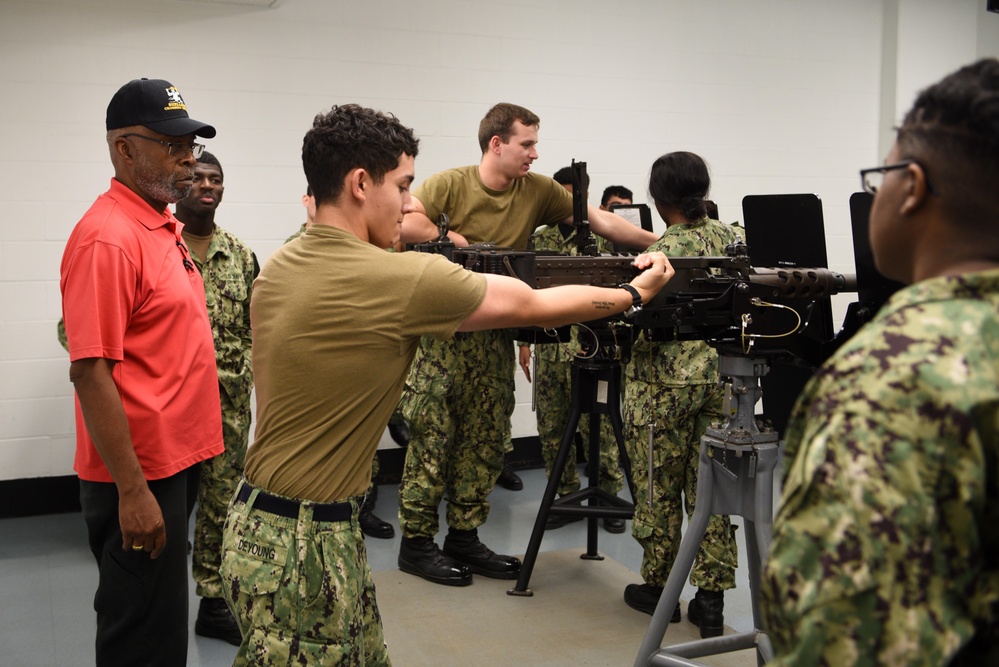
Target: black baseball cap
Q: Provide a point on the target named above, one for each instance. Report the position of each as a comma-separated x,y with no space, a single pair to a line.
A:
156,104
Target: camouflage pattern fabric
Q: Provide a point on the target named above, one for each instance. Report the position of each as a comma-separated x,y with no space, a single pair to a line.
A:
61,334
458,401
219,477
885,549
553,389
300,590
672,386
680,415
372,489
228,273
301,230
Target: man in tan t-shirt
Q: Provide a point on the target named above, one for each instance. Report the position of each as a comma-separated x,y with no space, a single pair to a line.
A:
459,395
336,322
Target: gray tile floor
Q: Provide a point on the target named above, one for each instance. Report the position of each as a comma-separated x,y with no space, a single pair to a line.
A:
48,576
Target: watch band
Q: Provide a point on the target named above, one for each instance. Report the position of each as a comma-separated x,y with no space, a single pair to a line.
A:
636,300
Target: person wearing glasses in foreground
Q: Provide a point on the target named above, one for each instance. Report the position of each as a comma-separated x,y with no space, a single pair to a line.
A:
142,363
885,549
330,358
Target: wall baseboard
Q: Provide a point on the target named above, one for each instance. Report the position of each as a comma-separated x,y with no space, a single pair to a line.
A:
39,495
58,495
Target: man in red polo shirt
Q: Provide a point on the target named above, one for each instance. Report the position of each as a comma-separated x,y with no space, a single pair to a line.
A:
143,366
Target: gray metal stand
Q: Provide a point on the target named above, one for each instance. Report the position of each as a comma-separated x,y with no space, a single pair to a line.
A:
735,477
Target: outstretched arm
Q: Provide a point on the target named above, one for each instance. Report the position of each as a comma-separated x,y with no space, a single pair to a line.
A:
617,229
510,302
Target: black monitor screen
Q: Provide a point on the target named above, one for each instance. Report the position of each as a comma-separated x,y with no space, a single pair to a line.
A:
788,231
872,287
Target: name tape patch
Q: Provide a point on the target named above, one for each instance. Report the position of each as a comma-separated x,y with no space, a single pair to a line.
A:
272,553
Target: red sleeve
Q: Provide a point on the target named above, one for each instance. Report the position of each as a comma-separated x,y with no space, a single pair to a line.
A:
98,299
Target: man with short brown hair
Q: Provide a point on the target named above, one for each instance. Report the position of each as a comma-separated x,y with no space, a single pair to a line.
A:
460,419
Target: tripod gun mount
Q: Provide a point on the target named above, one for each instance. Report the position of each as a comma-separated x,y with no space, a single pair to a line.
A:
442,245
595,390
744,312
750,323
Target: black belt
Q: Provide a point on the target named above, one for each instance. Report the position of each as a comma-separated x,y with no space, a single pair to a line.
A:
286,507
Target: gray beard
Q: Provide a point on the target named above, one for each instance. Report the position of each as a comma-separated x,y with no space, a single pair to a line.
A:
154,185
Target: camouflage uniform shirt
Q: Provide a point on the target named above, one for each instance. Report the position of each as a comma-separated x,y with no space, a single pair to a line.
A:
228,272
885,549
682,363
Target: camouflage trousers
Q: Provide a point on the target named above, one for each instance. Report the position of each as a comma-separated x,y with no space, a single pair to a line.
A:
553,394
219,477
458,401
300,590
680,416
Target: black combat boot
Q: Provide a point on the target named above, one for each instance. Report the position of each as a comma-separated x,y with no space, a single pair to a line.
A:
464,546
614,525
422,557
216,621
371,525
508,479
705,611
645,597
558,520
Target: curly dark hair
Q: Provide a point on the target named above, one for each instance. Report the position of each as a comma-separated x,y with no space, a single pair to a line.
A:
351,137
680,180
498,122
952,129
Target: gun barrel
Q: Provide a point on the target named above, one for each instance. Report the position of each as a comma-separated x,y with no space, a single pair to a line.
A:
803,283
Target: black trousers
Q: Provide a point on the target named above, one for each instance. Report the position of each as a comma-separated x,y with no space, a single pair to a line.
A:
141,603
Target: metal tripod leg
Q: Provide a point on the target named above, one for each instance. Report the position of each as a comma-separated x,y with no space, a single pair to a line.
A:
736,480
715,481
595,391
593,481
531,555
617,424
596,495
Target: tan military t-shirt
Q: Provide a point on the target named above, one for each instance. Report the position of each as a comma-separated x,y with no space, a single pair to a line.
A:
336,322
504,217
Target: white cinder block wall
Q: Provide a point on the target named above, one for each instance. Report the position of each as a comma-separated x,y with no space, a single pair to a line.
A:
779,96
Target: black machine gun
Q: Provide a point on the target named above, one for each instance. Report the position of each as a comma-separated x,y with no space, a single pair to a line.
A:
733,306
744,310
